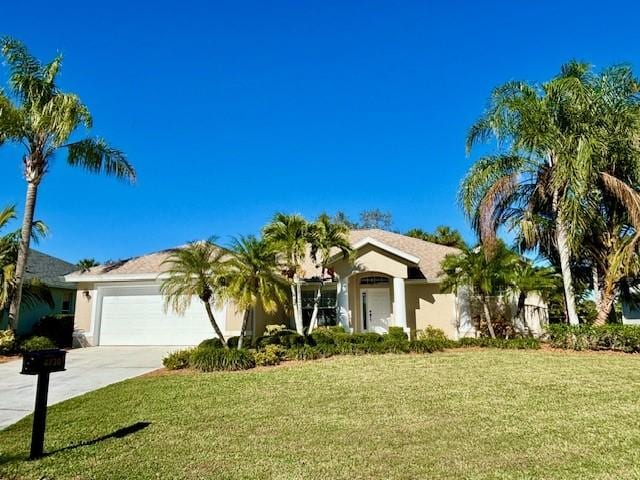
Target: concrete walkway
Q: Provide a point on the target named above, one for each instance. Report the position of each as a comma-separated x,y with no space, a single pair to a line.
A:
87,369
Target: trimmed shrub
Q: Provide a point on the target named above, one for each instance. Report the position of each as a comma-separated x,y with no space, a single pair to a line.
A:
232,342
32,344
321,337
304,352
428,345
57,328
271,355
396,345
211,343
262,342
290,340
431,333
211,359
7,342
326,350
524,343
397,333
346,349
177,360
622,338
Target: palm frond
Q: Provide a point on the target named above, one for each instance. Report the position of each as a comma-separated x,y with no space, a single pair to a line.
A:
626,194
96,156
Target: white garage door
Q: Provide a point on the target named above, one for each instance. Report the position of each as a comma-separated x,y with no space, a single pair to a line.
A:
135,316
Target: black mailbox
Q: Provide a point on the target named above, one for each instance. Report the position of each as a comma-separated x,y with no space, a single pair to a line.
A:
43,361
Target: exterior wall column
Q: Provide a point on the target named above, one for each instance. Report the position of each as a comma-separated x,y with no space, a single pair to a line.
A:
342,300
399,304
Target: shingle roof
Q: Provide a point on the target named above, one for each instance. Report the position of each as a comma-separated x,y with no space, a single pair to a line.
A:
49,270
429,254
151,263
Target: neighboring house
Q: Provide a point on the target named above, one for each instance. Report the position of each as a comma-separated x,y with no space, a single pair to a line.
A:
391,279
630,313
50,271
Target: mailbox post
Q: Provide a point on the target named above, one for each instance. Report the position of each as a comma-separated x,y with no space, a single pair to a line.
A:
41,363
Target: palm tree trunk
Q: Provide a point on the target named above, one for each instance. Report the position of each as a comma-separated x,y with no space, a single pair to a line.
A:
243,329
314,315
216,328
487,315
562,243
607,299
597,293
297,304
565,267
521,312
23,254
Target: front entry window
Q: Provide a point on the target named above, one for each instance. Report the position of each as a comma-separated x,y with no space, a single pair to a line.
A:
327,313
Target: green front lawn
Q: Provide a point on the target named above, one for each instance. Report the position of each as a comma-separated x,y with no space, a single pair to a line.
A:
459,414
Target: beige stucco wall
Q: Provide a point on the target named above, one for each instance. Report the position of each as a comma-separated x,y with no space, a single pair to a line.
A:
427,306
372,259
262,319
84,306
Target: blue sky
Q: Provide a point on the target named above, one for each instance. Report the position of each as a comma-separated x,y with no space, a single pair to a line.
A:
232,110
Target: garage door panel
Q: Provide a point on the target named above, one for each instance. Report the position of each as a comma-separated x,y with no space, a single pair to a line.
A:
137,317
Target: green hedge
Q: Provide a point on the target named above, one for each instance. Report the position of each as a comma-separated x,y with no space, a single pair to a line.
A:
525,343
623,338
177,360
325,342
32,344
208,359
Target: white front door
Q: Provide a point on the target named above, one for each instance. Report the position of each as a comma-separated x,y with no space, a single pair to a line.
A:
376,309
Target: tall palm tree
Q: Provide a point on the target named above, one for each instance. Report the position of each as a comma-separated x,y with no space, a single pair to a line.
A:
484,276
252,277
289,235
195,270
38,115
326,237
556,145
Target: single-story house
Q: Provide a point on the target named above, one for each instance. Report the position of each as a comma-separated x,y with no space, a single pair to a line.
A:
49,271
390,280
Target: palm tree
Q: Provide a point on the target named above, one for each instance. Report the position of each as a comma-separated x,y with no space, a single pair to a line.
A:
251,277
485,276
195,270
34,291
42,118
326,237
443,235
559,140
85,264
527,278
289,236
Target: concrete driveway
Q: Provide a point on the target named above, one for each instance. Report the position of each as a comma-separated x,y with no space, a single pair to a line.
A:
87,369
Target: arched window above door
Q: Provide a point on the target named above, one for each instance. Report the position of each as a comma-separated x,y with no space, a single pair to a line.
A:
374,280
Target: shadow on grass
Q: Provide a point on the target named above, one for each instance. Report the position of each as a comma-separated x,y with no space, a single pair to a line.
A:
120,433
